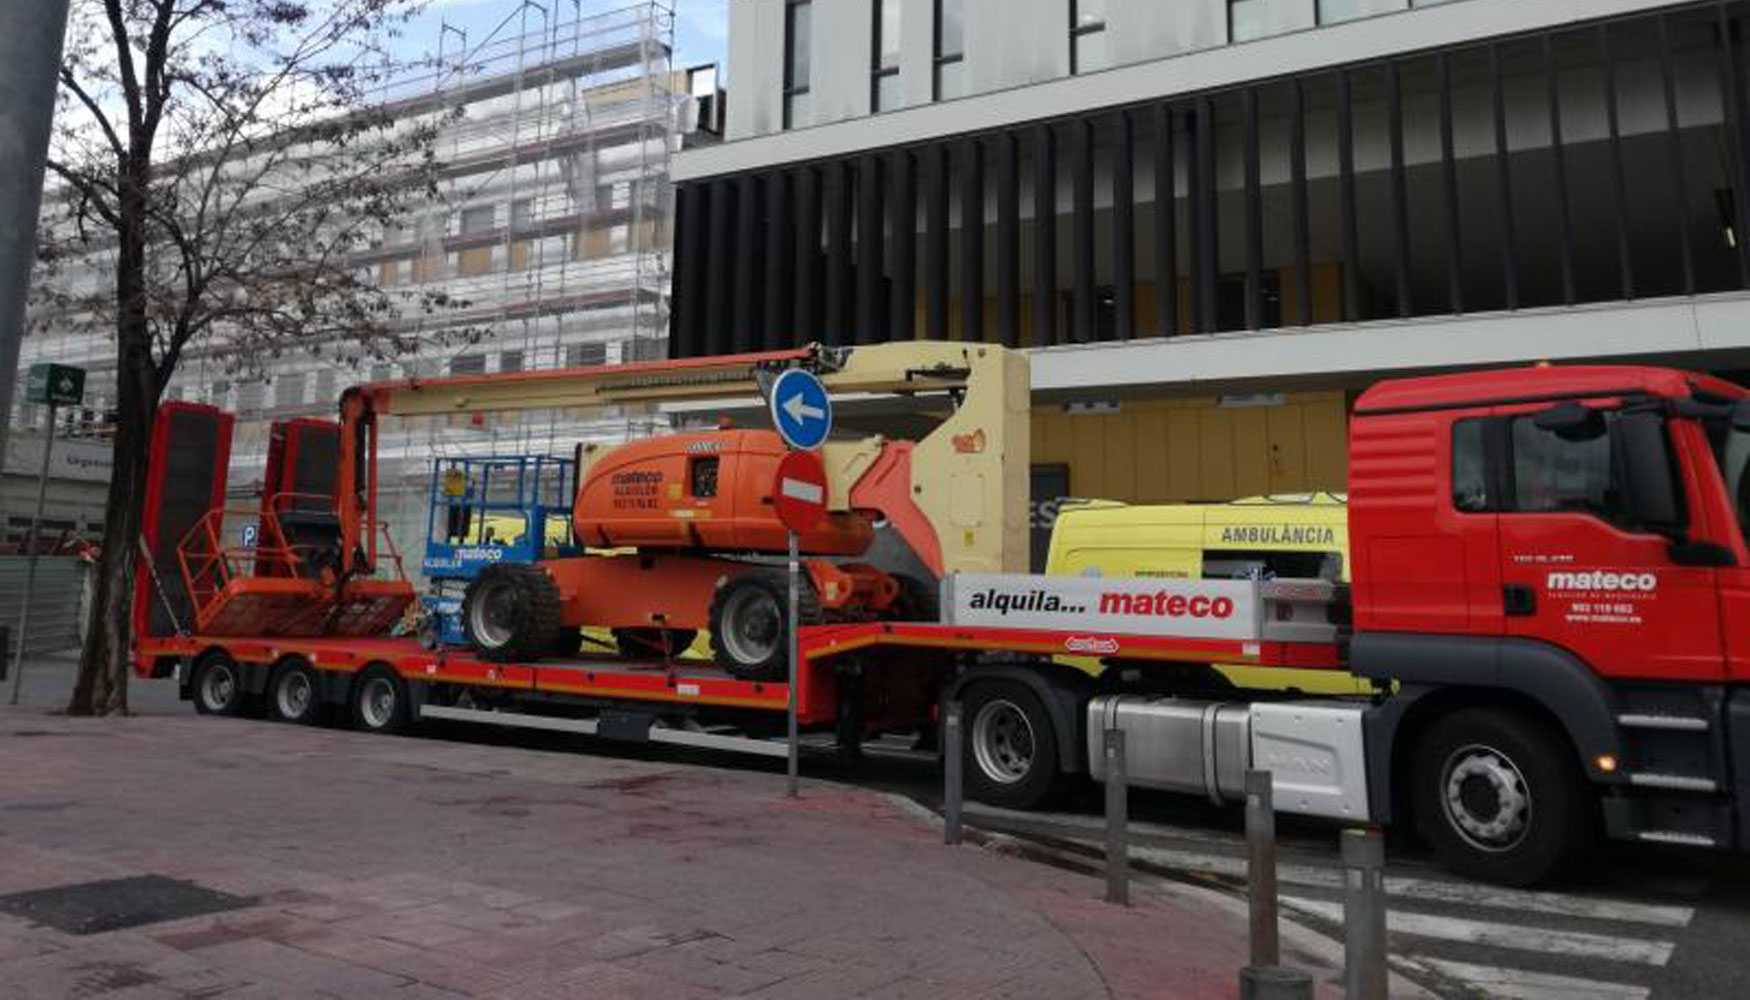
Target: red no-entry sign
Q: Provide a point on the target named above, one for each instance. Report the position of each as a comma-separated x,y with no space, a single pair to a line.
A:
800,492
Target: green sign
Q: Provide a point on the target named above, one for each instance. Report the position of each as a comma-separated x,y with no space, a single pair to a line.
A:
57,385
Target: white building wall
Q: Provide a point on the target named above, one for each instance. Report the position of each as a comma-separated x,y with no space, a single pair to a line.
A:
756,68
917,56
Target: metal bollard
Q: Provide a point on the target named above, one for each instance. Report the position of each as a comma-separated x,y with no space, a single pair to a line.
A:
1117,821
1272,982
953,779
1364,972
1261,869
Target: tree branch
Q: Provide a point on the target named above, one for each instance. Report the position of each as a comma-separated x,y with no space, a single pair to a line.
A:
124,58
88,189
72,85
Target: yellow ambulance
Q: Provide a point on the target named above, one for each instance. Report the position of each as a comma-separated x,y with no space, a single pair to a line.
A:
1300,535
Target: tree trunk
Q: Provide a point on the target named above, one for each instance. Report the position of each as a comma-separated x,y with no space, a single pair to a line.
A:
102,685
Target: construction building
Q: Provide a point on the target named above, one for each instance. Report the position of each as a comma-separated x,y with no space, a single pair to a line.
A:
553,225
1213,220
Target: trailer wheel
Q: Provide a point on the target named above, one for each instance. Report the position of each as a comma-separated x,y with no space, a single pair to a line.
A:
511,612
1500,796
748,636
379,702
218,685
1011,753
644,643
293,695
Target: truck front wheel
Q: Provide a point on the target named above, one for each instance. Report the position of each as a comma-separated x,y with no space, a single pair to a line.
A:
1499,795
1011,753
218,685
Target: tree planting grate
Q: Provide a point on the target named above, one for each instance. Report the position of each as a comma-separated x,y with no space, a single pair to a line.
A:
117,903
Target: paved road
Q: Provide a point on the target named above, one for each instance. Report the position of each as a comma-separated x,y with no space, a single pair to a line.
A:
1641,922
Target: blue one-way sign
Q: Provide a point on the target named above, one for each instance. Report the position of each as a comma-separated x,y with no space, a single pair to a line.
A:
801,409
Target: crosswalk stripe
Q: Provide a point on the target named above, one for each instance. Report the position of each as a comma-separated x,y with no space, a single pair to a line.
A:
1518,984
1429,890
1514,936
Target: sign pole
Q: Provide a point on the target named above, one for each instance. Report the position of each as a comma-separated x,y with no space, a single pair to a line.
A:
42,491
802,413
795,643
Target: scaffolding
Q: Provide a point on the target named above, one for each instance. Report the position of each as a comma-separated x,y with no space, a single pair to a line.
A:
554,223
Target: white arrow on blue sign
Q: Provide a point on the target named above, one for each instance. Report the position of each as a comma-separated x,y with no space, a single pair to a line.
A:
801,409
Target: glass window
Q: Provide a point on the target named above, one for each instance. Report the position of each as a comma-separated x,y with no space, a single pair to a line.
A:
1550,474
1087,36
885,92
510,361
950,80
889,94
798,43
586,355
887,36
1249,19
468,364
950,28
1333,11
950,49
478,219
1470,467
1534,471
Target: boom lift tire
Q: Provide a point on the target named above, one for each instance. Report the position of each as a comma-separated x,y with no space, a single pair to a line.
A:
293,695
653,643
380,702
1501,797
217,685
748,614
1011,753
510,613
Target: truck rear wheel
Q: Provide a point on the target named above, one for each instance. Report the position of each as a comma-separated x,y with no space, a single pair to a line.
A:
1011,752
511,612
748,634
380,701
1500,796
217,686
292,694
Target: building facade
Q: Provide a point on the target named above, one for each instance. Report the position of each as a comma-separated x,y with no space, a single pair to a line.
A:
552,224
1212,221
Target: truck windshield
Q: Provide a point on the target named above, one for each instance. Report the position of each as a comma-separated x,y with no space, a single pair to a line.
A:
1732,450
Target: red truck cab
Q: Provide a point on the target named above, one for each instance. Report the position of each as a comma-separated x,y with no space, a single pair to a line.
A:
1550,567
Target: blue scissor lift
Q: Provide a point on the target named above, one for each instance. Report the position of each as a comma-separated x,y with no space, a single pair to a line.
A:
486,510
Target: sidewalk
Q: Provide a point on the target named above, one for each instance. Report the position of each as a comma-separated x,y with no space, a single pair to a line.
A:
375,866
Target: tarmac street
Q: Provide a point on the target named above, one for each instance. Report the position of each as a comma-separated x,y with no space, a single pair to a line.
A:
1639,922
169,855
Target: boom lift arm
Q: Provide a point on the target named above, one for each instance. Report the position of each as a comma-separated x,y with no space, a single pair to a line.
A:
958,495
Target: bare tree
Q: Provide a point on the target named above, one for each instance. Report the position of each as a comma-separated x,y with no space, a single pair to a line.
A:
229,159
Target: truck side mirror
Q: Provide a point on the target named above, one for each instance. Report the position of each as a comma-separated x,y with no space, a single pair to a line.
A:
1650,485
1741,416
1572,421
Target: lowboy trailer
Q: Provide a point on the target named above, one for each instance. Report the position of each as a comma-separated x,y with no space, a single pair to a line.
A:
1550,594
